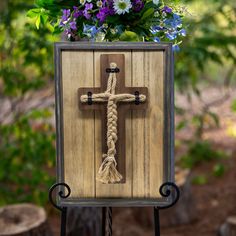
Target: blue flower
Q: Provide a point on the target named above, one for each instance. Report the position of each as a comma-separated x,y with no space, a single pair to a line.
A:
90,31
173,22
171,35
156,28
176,48
156,39
182,32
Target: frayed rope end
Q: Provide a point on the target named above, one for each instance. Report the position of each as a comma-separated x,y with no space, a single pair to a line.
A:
108,174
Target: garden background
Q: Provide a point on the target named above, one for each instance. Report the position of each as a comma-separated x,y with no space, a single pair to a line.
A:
205,105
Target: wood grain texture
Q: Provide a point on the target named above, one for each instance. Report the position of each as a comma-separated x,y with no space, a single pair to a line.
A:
77,71
147,127
143,129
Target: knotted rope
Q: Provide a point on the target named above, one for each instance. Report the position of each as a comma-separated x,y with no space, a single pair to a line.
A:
107,172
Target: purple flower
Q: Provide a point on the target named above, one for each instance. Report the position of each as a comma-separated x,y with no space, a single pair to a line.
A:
86,14
73,25
88,6
77,12
167,9
110,4
103,13
65,17
66,14
137,5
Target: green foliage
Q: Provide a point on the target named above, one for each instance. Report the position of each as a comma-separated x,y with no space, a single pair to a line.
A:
233,106
199,180
218,170
199,152
129,36
27,153
211,37
27,143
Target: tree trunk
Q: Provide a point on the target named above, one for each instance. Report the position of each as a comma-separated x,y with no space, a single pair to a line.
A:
182,213
229,227
23,220
86,221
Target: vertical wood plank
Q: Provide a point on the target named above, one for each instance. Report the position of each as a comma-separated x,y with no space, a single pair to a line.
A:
119,189
77,71
147,126
155,70
138,129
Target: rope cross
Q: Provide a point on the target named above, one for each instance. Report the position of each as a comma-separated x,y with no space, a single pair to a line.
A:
108,172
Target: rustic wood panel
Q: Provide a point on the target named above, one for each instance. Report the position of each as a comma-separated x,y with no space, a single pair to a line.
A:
77,71
119,189
144,129
147,127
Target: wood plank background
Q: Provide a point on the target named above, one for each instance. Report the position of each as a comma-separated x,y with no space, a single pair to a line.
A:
82,129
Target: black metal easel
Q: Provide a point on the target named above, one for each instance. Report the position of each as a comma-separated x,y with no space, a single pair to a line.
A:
166,190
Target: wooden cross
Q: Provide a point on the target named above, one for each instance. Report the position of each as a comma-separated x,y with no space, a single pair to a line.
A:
122,108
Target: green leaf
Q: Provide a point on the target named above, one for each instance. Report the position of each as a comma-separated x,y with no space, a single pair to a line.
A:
37,22
147,14
182,124
129,36
43,18
33,12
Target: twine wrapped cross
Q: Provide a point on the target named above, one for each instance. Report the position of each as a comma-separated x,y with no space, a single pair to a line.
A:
108,172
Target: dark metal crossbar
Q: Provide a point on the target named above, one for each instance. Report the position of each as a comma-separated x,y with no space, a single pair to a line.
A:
167,190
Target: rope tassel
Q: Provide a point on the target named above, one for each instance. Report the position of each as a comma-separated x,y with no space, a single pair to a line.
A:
108,172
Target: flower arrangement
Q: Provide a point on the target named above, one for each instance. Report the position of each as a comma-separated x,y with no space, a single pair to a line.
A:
112,20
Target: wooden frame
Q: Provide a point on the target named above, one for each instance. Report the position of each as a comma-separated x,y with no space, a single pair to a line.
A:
168,137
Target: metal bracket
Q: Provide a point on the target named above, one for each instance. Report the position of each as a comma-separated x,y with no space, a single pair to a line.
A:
166,190
63,210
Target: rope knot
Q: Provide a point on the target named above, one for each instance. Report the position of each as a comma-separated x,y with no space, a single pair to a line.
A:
113,65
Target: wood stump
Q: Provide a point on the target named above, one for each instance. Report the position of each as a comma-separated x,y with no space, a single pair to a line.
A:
182,213
23,220
229,227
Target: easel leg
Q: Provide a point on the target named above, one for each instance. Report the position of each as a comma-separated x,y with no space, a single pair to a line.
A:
63,221
157,221
106,221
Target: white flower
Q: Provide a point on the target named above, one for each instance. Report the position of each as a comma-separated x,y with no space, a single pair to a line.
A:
99,3
122,6
82,2
156,2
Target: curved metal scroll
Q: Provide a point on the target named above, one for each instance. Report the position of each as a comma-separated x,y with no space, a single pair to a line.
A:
166,190
60,194
169,189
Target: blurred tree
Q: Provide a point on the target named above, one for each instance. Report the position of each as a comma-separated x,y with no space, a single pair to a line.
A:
27,149
207,56
211,39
